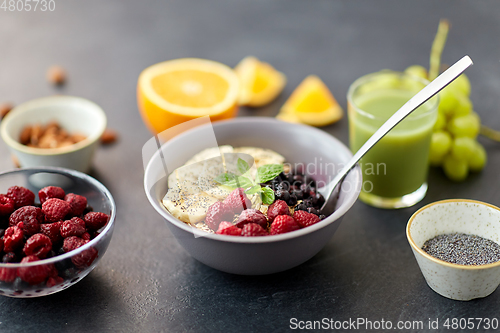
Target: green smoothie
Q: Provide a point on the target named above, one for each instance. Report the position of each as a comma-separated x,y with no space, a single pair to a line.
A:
397,165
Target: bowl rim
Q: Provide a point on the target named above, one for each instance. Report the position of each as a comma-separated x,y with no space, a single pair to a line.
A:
85,177
439,261
350,200
44,102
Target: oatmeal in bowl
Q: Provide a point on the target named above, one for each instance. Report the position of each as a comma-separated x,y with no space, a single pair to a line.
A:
184,193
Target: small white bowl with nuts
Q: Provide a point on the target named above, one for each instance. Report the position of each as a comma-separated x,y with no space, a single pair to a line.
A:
61,131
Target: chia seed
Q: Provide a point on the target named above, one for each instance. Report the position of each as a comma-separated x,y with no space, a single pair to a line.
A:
463,249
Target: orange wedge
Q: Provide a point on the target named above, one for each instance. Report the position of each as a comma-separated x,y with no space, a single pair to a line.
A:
311,103
260,83
176,91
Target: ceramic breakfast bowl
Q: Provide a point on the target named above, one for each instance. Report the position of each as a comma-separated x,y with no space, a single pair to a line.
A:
68,268
459,282
74,114
264,254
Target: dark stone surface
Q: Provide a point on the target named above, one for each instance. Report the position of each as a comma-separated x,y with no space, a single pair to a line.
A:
146,281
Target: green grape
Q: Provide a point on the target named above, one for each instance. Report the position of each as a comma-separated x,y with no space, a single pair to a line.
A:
461,84
386,80
463,107
465,125
477,160
463,147
440,122
447,101
440,145
417,70
454,168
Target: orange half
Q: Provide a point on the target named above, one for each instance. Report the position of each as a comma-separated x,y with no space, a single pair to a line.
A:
176,91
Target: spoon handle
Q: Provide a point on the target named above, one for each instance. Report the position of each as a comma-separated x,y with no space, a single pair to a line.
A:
420,98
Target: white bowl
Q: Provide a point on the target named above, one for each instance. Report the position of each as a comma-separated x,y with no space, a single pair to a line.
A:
74,114
459,282
254,255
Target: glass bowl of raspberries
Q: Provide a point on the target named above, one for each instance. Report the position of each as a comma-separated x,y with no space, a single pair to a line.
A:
51,235
249,241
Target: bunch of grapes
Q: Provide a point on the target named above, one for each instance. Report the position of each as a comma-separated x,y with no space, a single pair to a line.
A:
454,146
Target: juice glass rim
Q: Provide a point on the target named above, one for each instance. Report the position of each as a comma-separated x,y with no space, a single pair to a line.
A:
366,78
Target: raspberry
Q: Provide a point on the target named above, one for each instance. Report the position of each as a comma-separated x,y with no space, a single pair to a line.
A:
52,281
8,274
72,243
251,216
73,227
50,192
38,245
85,258
51,270
215,215
12,239
33,274
52,230
21,196
282,224
253,229
55,209
95,220
77,202
305,219
7,205
279,207
86,236
237,201
227,228
31,217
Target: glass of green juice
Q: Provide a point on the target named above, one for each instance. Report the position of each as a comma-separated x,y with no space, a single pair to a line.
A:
395,169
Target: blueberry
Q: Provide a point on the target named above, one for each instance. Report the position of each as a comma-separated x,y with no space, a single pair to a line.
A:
320,201
298,194
322,217
284,186
312,210
308,203
305,191
292,201
282,195
301,206
10,257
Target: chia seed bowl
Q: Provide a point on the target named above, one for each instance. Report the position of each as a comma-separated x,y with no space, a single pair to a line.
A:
462,216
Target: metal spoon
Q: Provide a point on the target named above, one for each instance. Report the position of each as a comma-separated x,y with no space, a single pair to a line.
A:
331,190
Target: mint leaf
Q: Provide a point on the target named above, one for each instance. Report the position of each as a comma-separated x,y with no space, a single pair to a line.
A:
267,195
239,181
225,178
242,166
254,189
268,172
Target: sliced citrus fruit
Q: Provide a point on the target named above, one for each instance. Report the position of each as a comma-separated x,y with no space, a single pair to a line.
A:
260,83
311,103
175,91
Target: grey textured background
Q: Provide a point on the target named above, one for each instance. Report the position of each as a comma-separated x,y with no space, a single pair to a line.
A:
146,281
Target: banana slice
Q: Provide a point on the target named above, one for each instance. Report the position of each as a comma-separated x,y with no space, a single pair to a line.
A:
261,156
210,153
189,208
